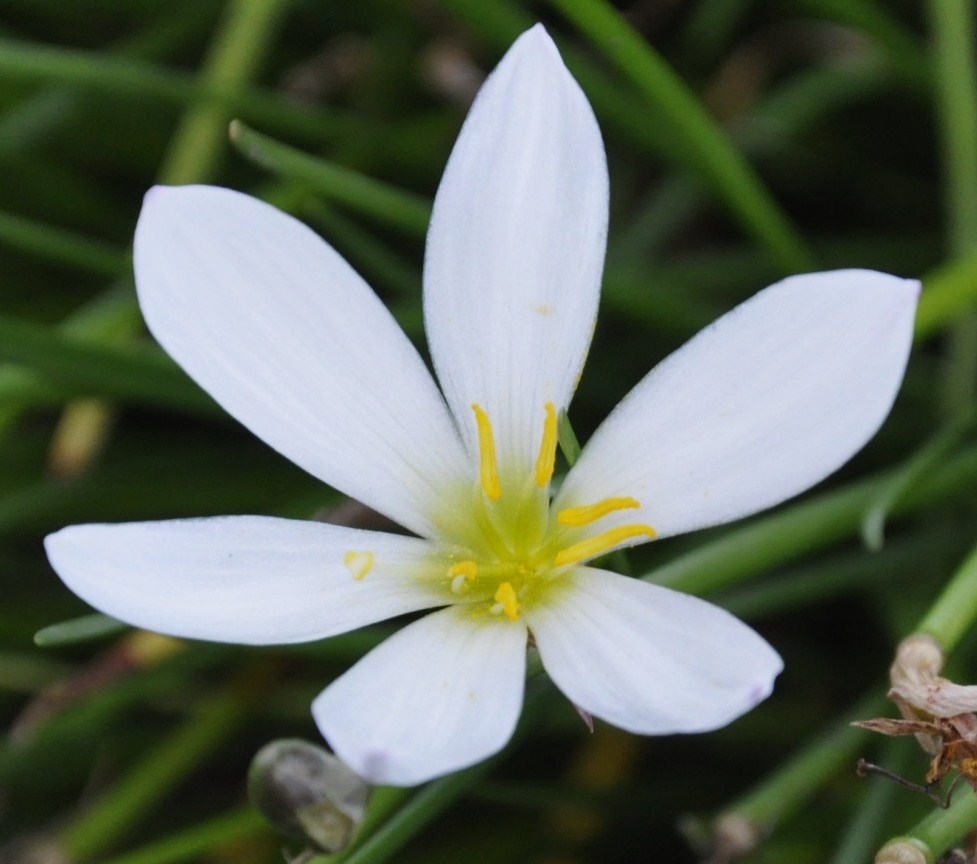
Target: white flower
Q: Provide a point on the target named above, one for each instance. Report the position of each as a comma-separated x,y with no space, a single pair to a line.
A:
267,318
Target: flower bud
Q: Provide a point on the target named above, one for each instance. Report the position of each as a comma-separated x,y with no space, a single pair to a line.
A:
308,793
903,851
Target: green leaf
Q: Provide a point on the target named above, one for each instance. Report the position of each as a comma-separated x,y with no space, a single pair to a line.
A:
83,629
137,374
384,203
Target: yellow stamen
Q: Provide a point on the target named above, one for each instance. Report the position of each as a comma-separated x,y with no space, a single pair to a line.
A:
506,601
578,516
460,573
468,569
358,563
547,450
594,546
488,469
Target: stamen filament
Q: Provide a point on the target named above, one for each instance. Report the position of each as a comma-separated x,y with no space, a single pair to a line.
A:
488,469
506,601
492,532
594,546
578,516
546,460
358,563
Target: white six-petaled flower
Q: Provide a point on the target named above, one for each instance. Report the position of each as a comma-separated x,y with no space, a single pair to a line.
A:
270,321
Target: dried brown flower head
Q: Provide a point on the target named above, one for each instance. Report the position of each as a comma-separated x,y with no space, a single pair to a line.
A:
939,712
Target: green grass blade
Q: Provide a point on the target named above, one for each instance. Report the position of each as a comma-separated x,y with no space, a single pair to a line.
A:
386,204
138,374
709,150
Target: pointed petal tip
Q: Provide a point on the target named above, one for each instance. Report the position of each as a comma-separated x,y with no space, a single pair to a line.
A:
537,44
537,34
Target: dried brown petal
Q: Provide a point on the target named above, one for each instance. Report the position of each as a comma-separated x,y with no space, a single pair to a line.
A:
917,687
888,726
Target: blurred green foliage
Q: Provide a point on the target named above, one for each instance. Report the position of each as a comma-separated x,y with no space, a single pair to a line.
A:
745,139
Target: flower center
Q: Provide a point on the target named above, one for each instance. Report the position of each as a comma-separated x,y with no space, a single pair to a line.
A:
507,547
522,548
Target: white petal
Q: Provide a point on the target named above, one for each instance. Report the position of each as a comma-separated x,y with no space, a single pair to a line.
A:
277,327
249,579
759,406
649,659
516,248
437,696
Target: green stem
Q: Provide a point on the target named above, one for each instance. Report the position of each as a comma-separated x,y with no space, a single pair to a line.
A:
31,61
908,475
813,524
232,61
41,115
195,843
406,822
107,319
382,202
956,607
140,374
949,293
953,29
375,260
953,56
708,148
82,629
934,834
797,780
384,802
846,573
61,246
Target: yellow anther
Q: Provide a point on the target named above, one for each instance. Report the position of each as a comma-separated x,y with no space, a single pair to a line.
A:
595,546
578,516
468,569
506,601
488,470
358,563
462,572
547,450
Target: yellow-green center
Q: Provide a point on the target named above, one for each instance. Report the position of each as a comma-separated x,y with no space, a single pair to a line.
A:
511,548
